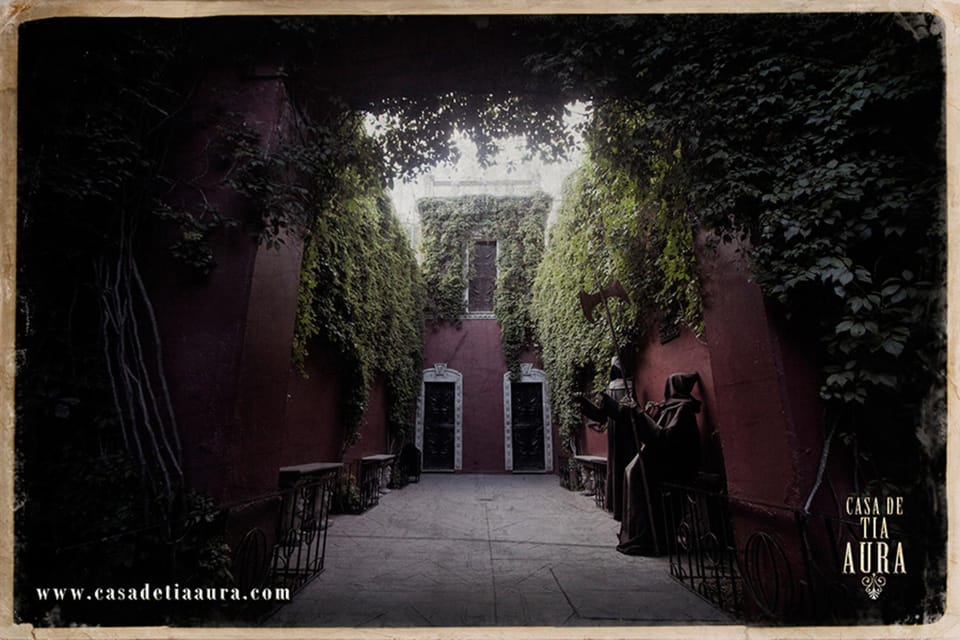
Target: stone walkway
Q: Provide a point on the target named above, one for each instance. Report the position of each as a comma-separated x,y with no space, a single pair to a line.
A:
479,550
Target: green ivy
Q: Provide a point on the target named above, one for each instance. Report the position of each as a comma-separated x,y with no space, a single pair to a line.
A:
817,142
617,221
361,292
450,227
804,142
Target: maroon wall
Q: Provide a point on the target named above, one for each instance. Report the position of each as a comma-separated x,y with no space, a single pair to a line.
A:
225,337
373,426
767,410
474,349
242,411
591,443
684,354
765,389
759,385
761,422
313,431
264,368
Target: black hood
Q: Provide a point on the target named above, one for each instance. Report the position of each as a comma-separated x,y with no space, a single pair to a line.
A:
680,387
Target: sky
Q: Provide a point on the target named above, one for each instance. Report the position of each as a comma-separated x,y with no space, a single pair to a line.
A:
508,165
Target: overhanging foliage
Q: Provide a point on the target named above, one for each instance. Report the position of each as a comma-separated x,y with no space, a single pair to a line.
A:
622,223
361,292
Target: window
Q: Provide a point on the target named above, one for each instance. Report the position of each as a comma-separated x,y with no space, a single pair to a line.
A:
483,282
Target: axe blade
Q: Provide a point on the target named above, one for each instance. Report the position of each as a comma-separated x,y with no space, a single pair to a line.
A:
589,301
616,290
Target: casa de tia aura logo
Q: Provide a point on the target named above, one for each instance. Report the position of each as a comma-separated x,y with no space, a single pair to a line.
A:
875,556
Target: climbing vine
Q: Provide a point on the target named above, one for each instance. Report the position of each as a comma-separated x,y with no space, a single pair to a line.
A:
816,143
814,140
360,288
801,143
451,225
109,501
620,222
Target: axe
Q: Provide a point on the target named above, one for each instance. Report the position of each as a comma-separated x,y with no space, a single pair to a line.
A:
589,302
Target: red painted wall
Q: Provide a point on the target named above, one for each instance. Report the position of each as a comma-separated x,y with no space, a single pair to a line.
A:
592,443
684,354
242,411
765,389
219,333
373,427
766,407
760,423
264,368
475,351
313,431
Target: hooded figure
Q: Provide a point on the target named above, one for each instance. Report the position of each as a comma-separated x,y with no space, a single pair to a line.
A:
670,453
621,442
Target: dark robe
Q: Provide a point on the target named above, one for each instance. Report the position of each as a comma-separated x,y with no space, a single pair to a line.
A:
670,453
621,442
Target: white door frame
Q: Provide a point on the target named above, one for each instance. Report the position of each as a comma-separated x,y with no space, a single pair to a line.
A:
440,373
527,374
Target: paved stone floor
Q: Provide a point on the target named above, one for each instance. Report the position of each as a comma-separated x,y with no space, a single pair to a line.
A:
481,550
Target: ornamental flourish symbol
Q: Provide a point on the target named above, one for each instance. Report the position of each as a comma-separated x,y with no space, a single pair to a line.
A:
873,585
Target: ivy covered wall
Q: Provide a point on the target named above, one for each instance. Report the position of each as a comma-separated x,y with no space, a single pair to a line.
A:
450,226
361,294
617,222
806,154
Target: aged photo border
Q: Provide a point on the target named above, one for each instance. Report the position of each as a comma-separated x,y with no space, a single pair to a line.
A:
16,12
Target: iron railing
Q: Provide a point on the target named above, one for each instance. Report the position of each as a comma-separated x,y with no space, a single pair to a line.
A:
371,476
299,553
593,470
285,538
569,472
757,561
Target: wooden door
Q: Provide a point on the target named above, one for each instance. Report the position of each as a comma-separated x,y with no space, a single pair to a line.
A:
439,426
526,406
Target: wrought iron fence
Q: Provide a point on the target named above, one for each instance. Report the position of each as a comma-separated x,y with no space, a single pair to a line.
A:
569,473
592,471
757,561
301,546
284,544
372,475
700,546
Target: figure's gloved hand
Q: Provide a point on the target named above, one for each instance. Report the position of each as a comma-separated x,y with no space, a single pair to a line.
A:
596,426
652,409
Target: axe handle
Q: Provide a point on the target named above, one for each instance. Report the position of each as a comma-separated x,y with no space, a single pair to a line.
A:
633,423
646,484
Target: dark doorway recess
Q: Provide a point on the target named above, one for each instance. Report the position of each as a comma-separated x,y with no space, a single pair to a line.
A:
439,426
526,401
